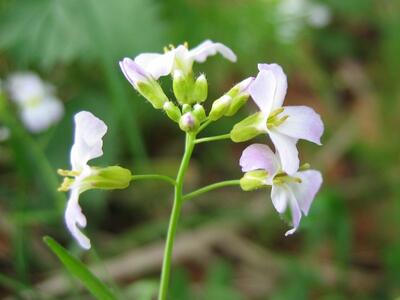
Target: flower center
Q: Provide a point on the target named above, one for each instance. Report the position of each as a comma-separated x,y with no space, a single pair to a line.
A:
282,177
67,182
274,119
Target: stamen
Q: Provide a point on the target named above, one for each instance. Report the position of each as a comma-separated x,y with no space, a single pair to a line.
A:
186,45
304,167
65,185
65,173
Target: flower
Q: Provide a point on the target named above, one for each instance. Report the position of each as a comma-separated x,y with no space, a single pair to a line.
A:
296,14
285,125
296,191
38,106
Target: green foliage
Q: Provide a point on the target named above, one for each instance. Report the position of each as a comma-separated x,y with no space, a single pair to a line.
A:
76,268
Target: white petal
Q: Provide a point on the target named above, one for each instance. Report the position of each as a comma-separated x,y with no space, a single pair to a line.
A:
244,85
306,190
259,156
25,86
75,218
156,64
303,123
280,88
295,211
208,48
40,117
286,148
88,144
262,91
279,197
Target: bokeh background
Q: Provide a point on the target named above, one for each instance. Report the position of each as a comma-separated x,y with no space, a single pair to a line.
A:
342,58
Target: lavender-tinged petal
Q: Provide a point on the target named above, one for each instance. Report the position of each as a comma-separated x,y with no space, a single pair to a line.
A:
259,156
303,123
262,91
281,83
305,191
133,72
295,211
279,197
287,151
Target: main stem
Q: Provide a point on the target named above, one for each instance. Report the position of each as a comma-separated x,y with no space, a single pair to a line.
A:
173,222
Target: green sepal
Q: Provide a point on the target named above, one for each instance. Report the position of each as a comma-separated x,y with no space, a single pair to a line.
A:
183,86
236,104
247,128
199,112
253,180
153,92
109,178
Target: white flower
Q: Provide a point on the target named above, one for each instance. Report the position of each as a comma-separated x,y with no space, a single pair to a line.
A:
296,191
88,144
180,59
296,14
285,125
38,107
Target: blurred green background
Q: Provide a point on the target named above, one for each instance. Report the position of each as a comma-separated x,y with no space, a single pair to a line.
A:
230,243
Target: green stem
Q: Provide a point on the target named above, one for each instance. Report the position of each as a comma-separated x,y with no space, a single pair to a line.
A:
176,209
211,187
213,138
154,176
204,125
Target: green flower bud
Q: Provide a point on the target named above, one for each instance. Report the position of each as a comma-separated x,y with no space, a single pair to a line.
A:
247,128
109,178
183,87
253,180
199,112
200,89
189,122
172,111
239,96
153,92
237,103
220,107
186,108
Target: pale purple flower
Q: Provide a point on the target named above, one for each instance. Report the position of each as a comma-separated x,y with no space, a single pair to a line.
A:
296,191
88,144
38,107
284,124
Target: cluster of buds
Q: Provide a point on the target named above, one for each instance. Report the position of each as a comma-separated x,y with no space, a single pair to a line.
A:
190,91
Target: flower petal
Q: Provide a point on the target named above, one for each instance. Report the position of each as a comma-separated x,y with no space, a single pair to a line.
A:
279,197
25,86
88,144
156,64
306,190
132,71
74,218
286,148
262,91
295,211
281,85
259,156
303,123
208,48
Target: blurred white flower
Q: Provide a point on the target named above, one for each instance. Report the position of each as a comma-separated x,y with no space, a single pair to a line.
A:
296,14
4,133
38,107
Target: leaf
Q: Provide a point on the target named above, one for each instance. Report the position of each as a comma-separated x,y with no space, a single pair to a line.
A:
76,268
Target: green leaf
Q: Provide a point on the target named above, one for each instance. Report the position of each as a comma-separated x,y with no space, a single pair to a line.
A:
76,268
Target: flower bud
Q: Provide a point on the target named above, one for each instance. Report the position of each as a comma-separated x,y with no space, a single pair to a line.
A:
239,96
199,112
253,180
186,108
200,90
219,107
109,178
182,86
247,128
153,92
172,111
189,122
